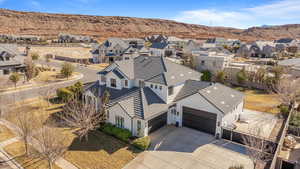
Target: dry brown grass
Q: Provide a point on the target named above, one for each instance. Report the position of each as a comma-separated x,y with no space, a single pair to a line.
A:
74,52
100,151
38,109
261,101
5,133
17,150
52,76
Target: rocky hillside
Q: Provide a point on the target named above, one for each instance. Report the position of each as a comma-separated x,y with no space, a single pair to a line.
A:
101,27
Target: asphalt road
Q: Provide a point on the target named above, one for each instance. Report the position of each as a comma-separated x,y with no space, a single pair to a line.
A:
89,75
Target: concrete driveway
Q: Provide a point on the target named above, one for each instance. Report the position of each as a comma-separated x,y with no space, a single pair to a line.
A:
184,148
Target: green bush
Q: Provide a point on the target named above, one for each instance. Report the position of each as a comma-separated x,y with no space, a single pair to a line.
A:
122,134
295,120
206,76
142,143
284,110
64,94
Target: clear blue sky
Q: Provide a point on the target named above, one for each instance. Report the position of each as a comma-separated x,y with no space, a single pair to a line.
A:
232,13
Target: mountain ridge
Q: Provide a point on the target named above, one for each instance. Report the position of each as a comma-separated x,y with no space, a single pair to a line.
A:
101,27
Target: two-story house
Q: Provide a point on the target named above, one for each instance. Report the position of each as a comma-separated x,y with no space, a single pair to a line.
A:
148,92
10,59
109,51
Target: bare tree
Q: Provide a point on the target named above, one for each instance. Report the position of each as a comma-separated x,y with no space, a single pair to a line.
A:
50,144
256,150
83,115
26,127
287,89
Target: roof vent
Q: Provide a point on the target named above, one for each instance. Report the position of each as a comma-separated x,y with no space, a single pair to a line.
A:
181,74
215,88
190,72
232,95
222,102
172,77
208,91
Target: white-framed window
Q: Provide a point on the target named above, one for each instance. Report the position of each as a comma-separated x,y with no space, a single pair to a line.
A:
126,83
151,85
113,82
139,127
155,86
202,62
160,87
170,90
103,79
119,121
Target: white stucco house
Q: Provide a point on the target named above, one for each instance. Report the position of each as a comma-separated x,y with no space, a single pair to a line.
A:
148,92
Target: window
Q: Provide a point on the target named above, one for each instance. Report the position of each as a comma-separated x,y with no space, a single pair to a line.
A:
151,86
119,121
155,86
139,126
113,83
107,114
202,62
126,83
103,79
214,63
160,87
171,90
141,83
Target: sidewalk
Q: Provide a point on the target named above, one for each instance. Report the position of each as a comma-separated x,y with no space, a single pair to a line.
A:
61,162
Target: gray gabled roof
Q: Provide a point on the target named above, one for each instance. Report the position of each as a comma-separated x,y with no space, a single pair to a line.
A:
11,51
155,69
284,40
136,102
222,97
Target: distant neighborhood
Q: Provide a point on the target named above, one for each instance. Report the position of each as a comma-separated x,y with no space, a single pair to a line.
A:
154,102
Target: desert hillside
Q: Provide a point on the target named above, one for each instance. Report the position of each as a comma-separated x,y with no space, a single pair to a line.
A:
101,27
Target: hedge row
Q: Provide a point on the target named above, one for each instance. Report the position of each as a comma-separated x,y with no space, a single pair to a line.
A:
122,134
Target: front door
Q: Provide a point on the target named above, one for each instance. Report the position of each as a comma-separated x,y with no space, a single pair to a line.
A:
174,116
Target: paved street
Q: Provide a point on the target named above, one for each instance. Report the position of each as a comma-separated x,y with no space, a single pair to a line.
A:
89,75
184,148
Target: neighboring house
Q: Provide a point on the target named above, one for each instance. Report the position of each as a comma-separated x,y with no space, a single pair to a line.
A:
213,61
69,38
10,60
109,51
244,51
156,39
147,93
190,47
162,49
262,49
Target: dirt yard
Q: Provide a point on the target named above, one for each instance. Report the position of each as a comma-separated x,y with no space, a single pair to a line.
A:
74,52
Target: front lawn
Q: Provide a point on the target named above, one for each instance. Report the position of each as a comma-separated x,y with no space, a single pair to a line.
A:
100,151
261,101
17,150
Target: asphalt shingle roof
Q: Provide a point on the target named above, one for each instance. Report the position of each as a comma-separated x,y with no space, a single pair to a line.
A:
156,69
137,102
222,97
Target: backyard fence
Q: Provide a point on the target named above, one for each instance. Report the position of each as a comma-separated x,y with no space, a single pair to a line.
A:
278,162
267,146
294,130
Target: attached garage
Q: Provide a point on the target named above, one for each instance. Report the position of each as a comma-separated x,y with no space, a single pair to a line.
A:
157,122
199,120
